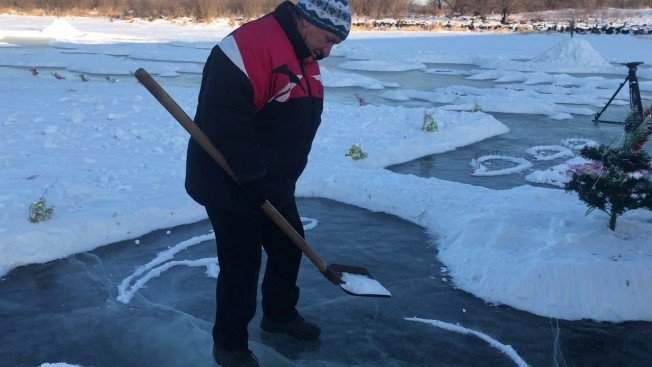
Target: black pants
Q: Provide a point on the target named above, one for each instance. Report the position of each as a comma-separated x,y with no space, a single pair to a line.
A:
239,237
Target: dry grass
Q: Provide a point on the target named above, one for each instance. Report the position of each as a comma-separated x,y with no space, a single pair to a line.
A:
27,12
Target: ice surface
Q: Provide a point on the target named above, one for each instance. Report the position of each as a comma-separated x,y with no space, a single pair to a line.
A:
168,322
363,285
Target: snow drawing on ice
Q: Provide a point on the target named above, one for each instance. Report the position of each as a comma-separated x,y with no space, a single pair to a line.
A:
506,349
542,152
309,223
154,268
162,262
362,285
482,165
578,143
558,175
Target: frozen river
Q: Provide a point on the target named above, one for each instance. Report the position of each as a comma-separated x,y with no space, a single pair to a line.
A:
67,309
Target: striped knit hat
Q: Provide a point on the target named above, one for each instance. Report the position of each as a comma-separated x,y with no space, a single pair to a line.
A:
330,15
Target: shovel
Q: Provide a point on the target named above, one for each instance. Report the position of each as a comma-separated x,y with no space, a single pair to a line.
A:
353,280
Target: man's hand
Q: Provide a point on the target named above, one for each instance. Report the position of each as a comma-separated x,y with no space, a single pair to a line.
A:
255,192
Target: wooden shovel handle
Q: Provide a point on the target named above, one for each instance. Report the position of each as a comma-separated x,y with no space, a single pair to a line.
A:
204,141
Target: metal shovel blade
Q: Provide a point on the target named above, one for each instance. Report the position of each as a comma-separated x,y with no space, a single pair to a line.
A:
356,281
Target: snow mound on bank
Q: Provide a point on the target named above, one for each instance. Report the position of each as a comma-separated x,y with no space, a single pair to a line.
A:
573,51
61,29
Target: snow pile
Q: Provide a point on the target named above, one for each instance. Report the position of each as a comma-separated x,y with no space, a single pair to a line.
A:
61,29
58,365
573,52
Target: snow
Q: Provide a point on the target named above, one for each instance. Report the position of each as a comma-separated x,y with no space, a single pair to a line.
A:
362,285
111,161
558,175
58,365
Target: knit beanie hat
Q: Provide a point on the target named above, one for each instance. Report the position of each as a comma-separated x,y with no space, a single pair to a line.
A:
330,15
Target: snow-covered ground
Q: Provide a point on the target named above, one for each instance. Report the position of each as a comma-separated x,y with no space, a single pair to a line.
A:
111,161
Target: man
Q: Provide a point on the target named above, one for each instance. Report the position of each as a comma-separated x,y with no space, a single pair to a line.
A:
260,102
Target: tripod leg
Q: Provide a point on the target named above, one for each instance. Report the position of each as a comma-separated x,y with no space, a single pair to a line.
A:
597,115
635,103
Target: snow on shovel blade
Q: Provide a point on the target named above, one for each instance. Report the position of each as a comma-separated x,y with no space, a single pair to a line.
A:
355,281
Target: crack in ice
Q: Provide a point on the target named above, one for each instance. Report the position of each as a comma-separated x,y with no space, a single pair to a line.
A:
557,354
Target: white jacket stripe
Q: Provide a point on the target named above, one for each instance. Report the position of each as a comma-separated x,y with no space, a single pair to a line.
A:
231,50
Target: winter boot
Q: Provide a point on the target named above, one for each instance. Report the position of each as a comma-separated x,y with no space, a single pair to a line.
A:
234,358
298,328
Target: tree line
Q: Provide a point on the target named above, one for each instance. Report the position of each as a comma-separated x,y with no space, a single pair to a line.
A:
206,9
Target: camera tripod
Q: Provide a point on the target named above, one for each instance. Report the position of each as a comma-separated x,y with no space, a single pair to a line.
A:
635,103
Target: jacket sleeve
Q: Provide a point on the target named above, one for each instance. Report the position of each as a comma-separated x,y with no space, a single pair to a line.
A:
227,113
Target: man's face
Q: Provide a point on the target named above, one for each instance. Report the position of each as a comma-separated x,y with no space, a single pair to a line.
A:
319,41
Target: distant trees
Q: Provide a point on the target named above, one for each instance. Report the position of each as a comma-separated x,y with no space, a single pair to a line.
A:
202,9
381,8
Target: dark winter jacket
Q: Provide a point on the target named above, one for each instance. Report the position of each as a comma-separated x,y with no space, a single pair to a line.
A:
261,107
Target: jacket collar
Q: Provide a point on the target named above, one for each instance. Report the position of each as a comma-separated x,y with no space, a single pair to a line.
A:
283,15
